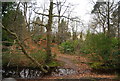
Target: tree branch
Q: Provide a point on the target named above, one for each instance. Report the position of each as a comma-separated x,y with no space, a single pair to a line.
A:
41,13
38,24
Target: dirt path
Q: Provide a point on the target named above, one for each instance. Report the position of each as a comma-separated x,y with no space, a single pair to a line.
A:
68,63
76,63
71,61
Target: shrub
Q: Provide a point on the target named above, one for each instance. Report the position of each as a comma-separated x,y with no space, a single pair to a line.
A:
67,47
19,59
103,49
98,44
7,37
38,37
10,59
72,46
40,56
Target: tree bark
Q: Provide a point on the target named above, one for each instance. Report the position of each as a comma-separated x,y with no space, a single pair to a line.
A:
49,26
118,25
59,30
108,18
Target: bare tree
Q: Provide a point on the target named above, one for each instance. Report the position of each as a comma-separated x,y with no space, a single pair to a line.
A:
103,12
48,27
60,5
119,19
118,25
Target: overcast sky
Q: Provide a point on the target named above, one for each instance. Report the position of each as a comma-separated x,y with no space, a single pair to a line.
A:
82,9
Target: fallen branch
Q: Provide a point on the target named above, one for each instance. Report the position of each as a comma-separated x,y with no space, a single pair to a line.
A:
23,49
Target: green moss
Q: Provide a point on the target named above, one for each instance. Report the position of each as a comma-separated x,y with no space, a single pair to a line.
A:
53,64
102,65
96,65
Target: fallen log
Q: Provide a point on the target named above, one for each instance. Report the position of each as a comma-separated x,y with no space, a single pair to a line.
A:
23,49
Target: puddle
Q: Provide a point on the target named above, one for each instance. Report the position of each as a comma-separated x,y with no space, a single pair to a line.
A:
21,72
34,72
63,72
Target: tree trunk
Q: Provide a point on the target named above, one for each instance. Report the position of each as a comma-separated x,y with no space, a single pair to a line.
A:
49,26
108,18
59,31
119,26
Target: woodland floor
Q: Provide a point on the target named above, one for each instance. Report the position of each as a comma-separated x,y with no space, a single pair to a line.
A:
77,63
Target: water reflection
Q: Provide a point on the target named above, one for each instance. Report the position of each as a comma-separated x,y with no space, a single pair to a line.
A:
36,73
